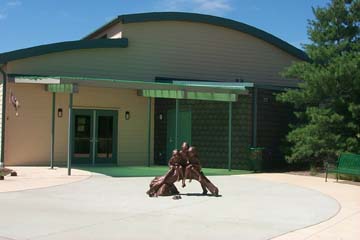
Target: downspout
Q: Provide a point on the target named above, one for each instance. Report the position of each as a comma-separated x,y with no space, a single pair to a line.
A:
2,162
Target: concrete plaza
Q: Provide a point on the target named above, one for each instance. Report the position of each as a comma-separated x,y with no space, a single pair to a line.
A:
256,206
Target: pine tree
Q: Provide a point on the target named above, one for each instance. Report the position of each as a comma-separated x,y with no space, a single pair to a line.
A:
327,102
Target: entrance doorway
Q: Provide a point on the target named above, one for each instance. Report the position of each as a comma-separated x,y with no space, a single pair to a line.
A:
184,133
94,136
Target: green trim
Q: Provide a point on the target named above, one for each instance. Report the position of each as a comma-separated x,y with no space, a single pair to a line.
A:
207,19
61,47
62,88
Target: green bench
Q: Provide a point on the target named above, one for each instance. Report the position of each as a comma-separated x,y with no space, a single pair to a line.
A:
348,163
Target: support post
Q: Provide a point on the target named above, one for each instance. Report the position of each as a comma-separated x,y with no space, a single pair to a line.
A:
229,136
3,114
93,139
70,134
52,130
255,113
176,122
149,132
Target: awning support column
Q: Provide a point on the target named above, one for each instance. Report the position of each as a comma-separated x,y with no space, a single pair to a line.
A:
149,133
70,134
3,114
255,111
176,122
229,136
52,131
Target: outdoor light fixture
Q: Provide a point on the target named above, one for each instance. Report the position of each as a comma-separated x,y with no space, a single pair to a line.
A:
160,116
127,115
60,113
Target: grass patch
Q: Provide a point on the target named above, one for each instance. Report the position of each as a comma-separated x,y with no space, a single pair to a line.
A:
116,171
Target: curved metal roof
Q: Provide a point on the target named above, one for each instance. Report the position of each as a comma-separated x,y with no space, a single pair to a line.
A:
207,19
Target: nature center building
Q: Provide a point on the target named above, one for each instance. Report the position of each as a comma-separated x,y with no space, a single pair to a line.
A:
134,89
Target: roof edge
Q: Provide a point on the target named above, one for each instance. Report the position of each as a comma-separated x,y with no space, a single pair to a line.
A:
62,46
207,19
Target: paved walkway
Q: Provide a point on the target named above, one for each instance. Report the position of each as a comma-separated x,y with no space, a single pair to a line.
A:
40,177
260,206
345,225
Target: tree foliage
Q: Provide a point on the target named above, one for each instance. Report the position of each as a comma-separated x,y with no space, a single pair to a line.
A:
327,102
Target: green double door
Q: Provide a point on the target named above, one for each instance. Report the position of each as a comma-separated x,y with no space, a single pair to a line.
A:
94,138
184,130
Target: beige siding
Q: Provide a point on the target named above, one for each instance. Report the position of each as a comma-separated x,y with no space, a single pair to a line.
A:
170,49
28,135
27,139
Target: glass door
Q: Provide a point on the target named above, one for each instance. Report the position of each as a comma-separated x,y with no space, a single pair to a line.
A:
94,136
106,137
83,136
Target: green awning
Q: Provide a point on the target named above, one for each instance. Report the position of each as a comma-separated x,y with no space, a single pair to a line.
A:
179,94
162,93
225,97
214,91
63,88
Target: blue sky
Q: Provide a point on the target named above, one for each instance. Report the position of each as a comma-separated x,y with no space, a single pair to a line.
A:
26,23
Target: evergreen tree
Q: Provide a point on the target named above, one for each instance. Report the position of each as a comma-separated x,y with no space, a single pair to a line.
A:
327,102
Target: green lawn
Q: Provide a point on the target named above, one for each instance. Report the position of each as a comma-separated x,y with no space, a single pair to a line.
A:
152,171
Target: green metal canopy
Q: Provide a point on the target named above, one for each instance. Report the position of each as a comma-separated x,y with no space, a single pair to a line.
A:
212,91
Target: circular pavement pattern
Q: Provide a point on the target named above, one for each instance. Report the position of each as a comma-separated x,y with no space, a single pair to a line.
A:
102,207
